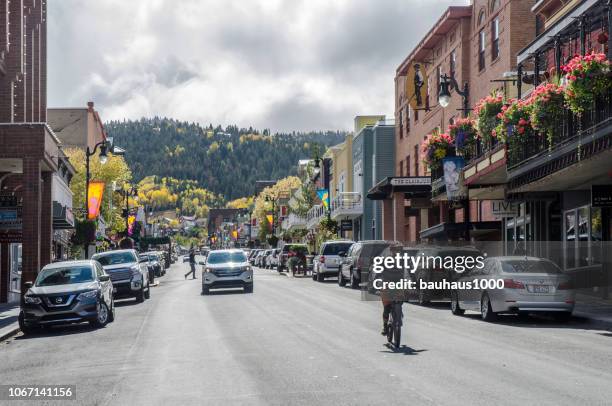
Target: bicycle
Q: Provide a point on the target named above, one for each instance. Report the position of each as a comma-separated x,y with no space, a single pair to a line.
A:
394,325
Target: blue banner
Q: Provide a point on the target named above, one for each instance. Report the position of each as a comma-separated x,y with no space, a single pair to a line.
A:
453,178
324,196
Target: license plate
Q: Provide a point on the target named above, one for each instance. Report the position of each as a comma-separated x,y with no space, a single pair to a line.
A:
540,289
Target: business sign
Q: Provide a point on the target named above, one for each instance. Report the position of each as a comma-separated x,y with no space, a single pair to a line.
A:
412,181
502,209
601,195
346,225
10,219
416,85
95,193
453,178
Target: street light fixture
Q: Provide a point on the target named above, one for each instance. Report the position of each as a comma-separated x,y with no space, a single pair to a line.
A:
105,145
447,83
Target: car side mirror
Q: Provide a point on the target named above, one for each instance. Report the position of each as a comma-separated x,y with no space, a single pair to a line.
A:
104,278
28,284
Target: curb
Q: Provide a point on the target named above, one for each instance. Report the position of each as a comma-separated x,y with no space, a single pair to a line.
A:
11,333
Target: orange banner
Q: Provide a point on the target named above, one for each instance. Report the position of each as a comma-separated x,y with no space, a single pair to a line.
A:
270,219
94,196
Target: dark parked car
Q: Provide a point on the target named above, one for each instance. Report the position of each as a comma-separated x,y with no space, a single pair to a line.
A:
357,263
157,261
128,273
68,292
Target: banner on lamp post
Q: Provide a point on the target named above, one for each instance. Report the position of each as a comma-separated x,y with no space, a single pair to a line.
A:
324,196
131,221
270,219
453,178
95,192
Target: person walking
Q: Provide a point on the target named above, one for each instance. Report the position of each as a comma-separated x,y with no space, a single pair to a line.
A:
192,263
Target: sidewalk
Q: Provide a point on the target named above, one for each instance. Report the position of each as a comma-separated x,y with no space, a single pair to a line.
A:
8,320
594,309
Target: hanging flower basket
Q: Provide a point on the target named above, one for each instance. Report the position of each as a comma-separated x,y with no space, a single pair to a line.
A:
587,78
463,131
487,117
436,147
547,104
515,121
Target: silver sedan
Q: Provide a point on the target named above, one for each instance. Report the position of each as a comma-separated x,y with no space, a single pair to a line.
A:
515,284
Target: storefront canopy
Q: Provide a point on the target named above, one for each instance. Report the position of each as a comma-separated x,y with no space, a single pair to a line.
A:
411,186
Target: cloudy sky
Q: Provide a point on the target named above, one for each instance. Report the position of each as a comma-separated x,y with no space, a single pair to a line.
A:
279,64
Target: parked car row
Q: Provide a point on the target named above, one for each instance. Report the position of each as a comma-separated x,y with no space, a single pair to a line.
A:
503,285
85,290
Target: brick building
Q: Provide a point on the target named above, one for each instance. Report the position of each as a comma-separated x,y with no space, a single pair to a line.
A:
475,44
29,156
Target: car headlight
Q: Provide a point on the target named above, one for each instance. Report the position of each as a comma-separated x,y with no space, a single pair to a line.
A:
91,294
32,299
135,270
246,268
207,270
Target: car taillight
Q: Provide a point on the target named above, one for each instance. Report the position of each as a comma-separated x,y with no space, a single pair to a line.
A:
322,259
512,284
564,286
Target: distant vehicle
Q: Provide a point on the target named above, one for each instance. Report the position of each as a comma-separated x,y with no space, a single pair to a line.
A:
259,258
150,267
329,259
290,250
528,285
273,258
155,259
128,274
265,261
227,269
68,292
252,256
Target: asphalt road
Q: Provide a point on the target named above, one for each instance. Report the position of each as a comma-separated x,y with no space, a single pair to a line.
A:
298,342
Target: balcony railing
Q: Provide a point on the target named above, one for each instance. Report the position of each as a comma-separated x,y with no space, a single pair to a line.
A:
293,221
479,149
314,215
568,130
347,204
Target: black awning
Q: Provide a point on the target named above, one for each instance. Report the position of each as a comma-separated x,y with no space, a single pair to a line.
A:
411,186
62,217
455,230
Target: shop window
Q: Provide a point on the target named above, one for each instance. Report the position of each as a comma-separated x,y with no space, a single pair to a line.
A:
583,234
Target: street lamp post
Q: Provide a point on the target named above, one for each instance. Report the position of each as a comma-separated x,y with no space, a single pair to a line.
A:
106,146
448,83
126,193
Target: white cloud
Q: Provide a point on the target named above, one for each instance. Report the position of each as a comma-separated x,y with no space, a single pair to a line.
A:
285,65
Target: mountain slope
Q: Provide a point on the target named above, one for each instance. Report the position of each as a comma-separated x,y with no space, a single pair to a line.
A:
225,161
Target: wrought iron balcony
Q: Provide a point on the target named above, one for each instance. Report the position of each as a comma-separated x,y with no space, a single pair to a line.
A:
293,222
314,215
575,138
347,204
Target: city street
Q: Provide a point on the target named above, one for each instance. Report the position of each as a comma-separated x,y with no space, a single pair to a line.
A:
295,341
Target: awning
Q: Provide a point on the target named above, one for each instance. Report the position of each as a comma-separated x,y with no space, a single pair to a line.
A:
411,186
452,231
62,217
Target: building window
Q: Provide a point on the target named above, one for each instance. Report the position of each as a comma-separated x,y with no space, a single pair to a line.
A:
416,161
407,165
495,39
453,63
481,50
438,74
481,18
401,123
407,119
401,168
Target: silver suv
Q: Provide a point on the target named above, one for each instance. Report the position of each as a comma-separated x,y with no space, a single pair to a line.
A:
227,269
328,262
129,274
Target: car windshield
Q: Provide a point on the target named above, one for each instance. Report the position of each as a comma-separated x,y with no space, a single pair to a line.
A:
64,276
530,266
225,257
373,250
114,258
336,248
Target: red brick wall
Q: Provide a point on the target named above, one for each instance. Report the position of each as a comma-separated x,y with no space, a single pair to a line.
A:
25,60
